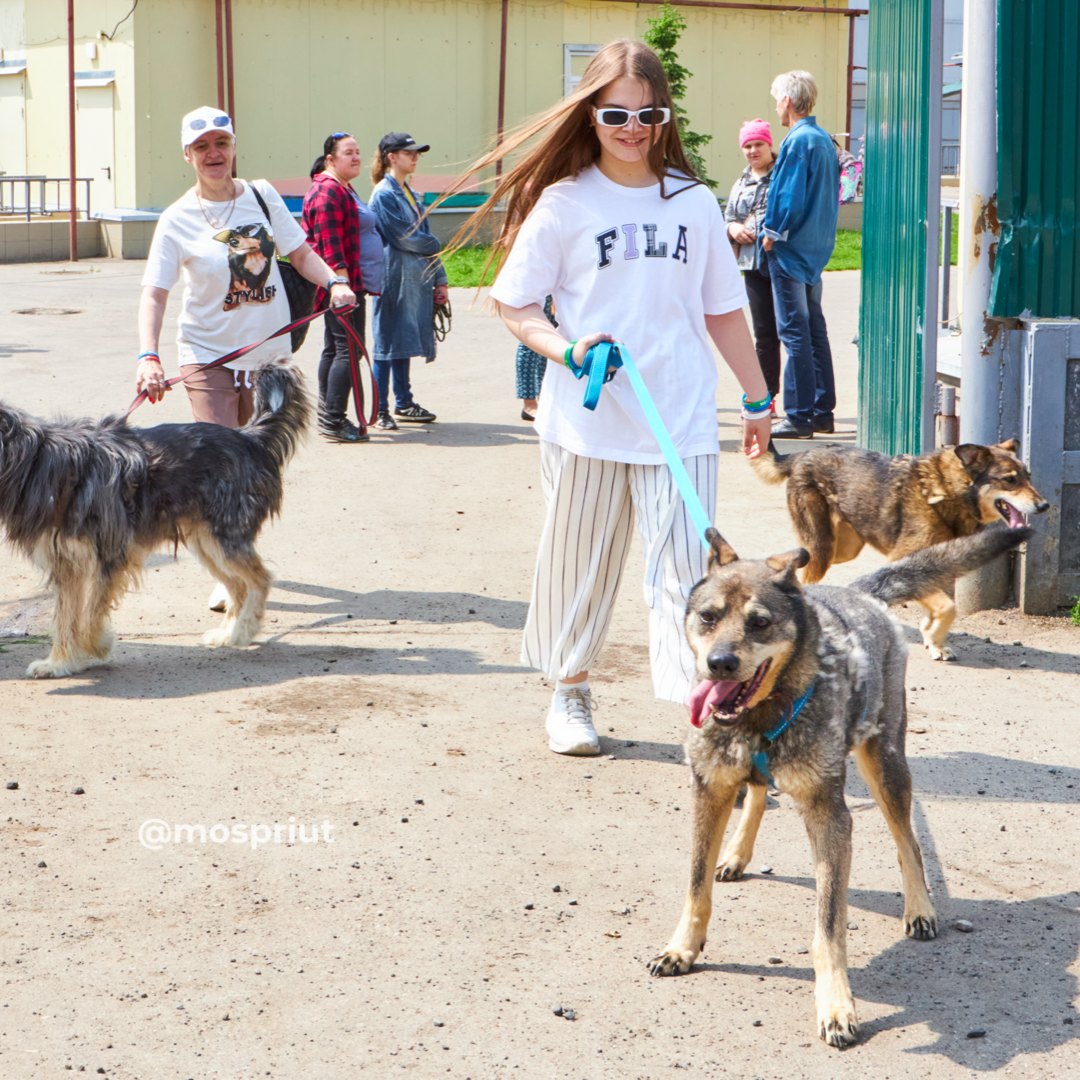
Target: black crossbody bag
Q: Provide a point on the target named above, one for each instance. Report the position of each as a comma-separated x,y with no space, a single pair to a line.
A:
300,291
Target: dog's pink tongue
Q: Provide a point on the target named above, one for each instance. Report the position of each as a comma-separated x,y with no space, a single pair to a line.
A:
704,696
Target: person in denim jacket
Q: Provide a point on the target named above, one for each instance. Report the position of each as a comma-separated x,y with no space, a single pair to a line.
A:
800,233
745,215
413,283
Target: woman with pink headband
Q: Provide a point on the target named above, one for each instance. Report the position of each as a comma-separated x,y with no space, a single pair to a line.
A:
744,213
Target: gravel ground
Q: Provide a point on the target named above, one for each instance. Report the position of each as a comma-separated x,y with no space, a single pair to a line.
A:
451,885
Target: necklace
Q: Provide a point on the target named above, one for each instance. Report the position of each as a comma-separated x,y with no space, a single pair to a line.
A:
210,219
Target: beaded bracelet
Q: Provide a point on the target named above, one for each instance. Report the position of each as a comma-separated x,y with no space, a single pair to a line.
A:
568,356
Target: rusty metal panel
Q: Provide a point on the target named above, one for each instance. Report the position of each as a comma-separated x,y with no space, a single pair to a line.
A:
1038,257
897,330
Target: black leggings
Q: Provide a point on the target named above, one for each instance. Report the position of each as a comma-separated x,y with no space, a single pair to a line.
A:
763,316
335,374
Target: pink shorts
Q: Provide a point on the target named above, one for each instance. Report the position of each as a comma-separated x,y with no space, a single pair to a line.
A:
220,395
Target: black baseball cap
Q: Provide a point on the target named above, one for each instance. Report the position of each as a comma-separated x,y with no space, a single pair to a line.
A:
398,140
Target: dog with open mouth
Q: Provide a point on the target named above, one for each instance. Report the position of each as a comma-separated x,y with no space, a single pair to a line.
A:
841,498
792,680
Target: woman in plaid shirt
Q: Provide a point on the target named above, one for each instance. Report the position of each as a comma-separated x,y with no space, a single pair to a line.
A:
332,222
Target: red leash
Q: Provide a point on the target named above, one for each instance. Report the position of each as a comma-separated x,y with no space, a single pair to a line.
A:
356,350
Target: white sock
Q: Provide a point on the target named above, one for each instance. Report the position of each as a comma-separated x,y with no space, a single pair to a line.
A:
561,686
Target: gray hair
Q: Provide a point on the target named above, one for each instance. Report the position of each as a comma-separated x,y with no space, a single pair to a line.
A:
800,87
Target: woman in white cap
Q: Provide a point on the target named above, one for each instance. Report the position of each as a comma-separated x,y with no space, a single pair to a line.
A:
222,237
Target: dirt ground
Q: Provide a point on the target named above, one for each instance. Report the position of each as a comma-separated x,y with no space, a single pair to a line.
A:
451,882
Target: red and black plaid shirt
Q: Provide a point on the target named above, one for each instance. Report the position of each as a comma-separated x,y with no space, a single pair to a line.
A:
332,223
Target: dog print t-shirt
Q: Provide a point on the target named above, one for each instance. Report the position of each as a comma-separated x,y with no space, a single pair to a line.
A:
233,295
646,270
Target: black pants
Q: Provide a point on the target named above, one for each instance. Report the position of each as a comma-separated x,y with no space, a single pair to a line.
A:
335,374
763,316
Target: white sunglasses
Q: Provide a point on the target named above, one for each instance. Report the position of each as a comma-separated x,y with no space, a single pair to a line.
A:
648,117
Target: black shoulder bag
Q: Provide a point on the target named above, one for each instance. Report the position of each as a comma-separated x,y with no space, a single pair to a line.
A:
300,291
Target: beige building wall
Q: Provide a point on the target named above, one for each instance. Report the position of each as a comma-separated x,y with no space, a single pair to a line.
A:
305,68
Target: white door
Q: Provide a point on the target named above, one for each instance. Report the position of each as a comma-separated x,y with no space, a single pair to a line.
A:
94,155
13,136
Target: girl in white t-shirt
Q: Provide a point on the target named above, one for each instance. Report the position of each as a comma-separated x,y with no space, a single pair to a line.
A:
631,246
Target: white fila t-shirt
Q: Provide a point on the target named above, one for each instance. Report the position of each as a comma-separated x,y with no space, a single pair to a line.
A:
646,270
233,294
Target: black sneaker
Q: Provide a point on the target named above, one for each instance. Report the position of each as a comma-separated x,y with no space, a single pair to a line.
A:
785,429
344,432
415,414
385,422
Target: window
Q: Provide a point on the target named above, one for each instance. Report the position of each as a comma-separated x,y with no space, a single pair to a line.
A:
575,60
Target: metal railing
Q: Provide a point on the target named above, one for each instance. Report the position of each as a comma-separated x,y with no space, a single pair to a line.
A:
35,200
950,159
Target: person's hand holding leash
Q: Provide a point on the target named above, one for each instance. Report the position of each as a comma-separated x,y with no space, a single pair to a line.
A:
442,294
341,296
150,376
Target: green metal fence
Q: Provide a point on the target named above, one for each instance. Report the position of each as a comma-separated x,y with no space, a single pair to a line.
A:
897,329
1038,257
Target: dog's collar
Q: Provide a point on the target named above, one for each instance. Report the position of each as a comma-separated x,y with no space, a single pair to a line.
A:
761,758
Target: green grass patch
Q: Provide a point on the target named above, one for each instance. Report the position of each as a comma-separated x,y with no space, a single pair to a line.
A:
464,267
847,255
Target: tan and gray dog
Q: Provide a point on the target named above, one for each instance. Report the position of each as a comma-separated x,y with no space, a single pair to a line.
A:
841,498
829,663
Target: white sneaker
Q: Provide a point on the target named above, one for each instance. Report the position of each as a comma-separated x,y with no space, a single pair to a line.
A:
569,723
219,597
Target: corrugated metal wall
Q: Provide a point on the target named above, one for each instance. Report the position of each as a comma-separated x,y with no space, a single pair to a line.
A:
894,308
1038,257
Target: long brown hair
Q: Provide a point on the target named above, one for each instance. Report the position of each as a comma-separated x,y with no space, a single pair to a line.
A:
380,165
568,144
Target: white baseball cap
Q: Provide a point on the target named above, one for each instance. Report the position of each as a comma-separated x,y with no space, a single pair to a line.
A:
200,121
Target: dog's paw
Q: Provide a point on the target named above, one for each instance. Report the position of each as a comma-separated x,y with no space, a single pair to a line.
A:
673,962
921,927
838,1026
730,869
217,638
47,669
941,654
103,647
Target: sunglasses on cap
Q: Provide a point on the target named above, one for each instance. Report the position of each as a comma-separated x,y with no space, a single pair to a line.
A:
650,116
340,135
218,121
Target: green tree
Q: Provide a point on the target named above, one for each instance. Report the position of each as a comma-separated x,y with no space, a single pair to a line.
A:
662,36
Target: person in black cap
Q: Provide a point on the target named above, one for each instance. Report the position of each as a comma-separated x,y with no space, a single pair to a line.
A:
413,281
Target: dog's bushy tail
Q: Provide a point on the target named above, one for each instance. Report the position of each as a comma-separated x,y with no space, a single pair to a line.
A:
282,413
772,467
935,568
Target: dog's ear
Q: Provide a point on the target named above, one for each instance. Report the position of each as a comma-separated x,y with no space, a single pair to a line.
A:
1010,446
786,564
974,458
720,551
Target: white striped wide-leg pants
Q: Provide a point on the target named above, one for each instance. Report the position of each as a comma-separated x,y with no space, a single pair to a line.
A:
591,508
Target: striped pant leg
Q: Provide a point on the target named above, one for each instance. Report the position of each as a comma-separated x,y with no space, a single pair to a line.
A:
675,561
583,550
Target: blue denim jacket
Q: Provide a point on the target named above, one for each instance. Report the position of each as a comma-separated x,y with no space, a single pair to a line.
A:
403,316
804,196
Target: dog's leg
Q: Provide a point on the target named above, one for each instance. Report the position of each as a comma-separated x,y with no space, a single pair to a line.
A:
256,581
736,857
711,811
887,776
69,581
935,627
105,593
828,824
810,515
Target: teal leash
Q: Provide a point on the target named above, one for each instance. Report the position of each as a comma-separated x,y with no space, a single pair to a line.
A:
599,367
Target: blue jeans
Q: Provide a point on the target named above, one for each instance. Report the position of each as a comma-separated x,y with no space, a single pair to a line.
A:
402,390
809,386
